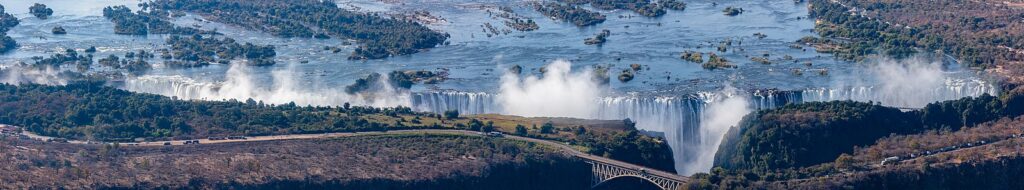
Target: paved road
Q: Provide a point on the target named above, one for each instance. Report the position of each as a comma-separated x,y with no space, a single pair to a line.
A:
564,147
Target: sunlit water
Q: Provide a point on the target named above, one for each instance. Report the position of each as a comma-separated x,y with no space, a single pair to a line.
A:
669,95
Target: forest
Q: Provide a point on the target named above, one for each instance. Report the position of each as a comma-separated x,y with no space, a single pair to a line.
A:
791,137
91,111
982,34
643,7
985,156
570,13
133,62
380,36
862,36
145,22
197,50
401,161
69,57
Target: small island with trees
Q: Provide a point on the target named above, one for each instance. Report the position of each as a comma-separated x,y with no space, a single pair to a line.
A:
7,21
40,11
380,36
598,39
59,30
570,13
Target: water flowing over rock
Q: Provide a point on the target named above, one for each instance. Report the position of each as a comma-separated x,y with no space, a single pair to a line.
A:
690,129
680,117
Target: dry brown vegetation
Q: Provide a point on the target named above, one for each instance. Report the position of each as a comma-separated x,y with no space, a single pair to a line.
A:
986,32
935,140
411,161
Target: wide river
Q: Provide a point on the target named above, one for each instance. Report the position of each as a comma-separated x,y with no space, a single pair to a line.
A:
691,106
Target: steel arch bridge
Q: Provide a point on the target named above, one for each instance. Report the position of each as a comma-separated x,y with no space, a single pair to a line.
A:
603,172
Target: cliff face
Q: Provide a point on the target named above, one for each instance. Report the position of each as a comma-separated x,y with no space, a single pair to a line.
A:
364,162
807,134
814,133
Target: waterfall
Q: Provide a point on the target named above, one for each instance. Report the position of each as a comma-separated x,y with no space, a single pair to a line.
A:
172,86
282,90
679,117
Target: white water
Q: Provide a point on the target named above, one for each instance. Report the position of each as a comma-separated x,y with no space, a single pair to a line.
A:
558,93
284,88
18,75
692,124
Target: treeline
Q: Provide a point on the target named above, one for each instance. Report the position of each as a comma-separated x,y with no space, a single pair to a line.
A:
570,13
69,57
7,21
380,36
133,62
145,22
396,80
813,133
197,50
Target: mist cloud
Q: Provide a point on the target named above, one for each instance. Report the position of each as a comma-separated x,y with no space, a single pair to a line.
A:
725,110
558,93
21,75
241,84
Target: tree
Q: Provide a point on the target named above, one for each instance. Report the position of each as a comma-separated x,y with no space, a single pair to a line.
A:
581,130
40,11
629,123
521,130
844,162
489,127
451,114
547,128
475,125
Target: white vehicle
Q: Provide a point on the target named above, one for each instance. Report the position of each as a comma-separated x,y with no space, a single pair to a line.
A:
890,160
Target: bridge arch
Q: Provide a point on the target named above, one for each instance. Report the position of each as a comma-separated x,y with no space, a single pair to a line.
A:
602,172
622,177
